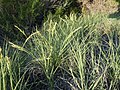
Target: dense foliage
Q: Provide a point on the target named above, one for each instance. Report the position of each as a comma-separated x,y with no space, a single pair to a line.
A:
26,14
59,45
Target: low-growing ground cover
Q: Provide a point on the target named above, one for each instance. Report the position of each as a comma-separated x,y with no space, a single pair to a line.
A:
71,53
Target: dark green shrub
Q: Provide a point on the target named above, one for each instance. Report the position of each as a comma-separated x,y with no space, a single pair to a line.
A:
18,12
26,14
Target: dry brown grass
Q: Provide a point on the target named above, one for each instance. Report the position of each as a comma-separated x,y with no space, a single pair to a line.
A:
103,6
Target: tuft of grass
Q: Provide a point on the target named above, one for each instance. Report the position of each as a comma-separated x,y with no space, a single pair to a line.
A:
85,48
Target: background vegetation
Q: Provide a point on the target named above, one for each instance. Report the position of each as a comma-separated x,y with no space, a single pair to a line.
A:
26,14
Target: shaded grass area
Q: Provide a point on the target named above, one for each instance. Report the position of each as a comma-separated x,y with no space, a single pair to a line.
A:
71,53
115,15
27,14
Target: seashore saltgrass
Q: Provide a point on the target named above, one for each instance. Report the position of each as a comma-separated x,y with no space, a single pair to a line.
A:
86,48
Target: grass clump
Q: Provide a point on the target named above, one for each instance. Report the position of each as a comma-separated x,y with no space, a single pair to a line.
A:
81,52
